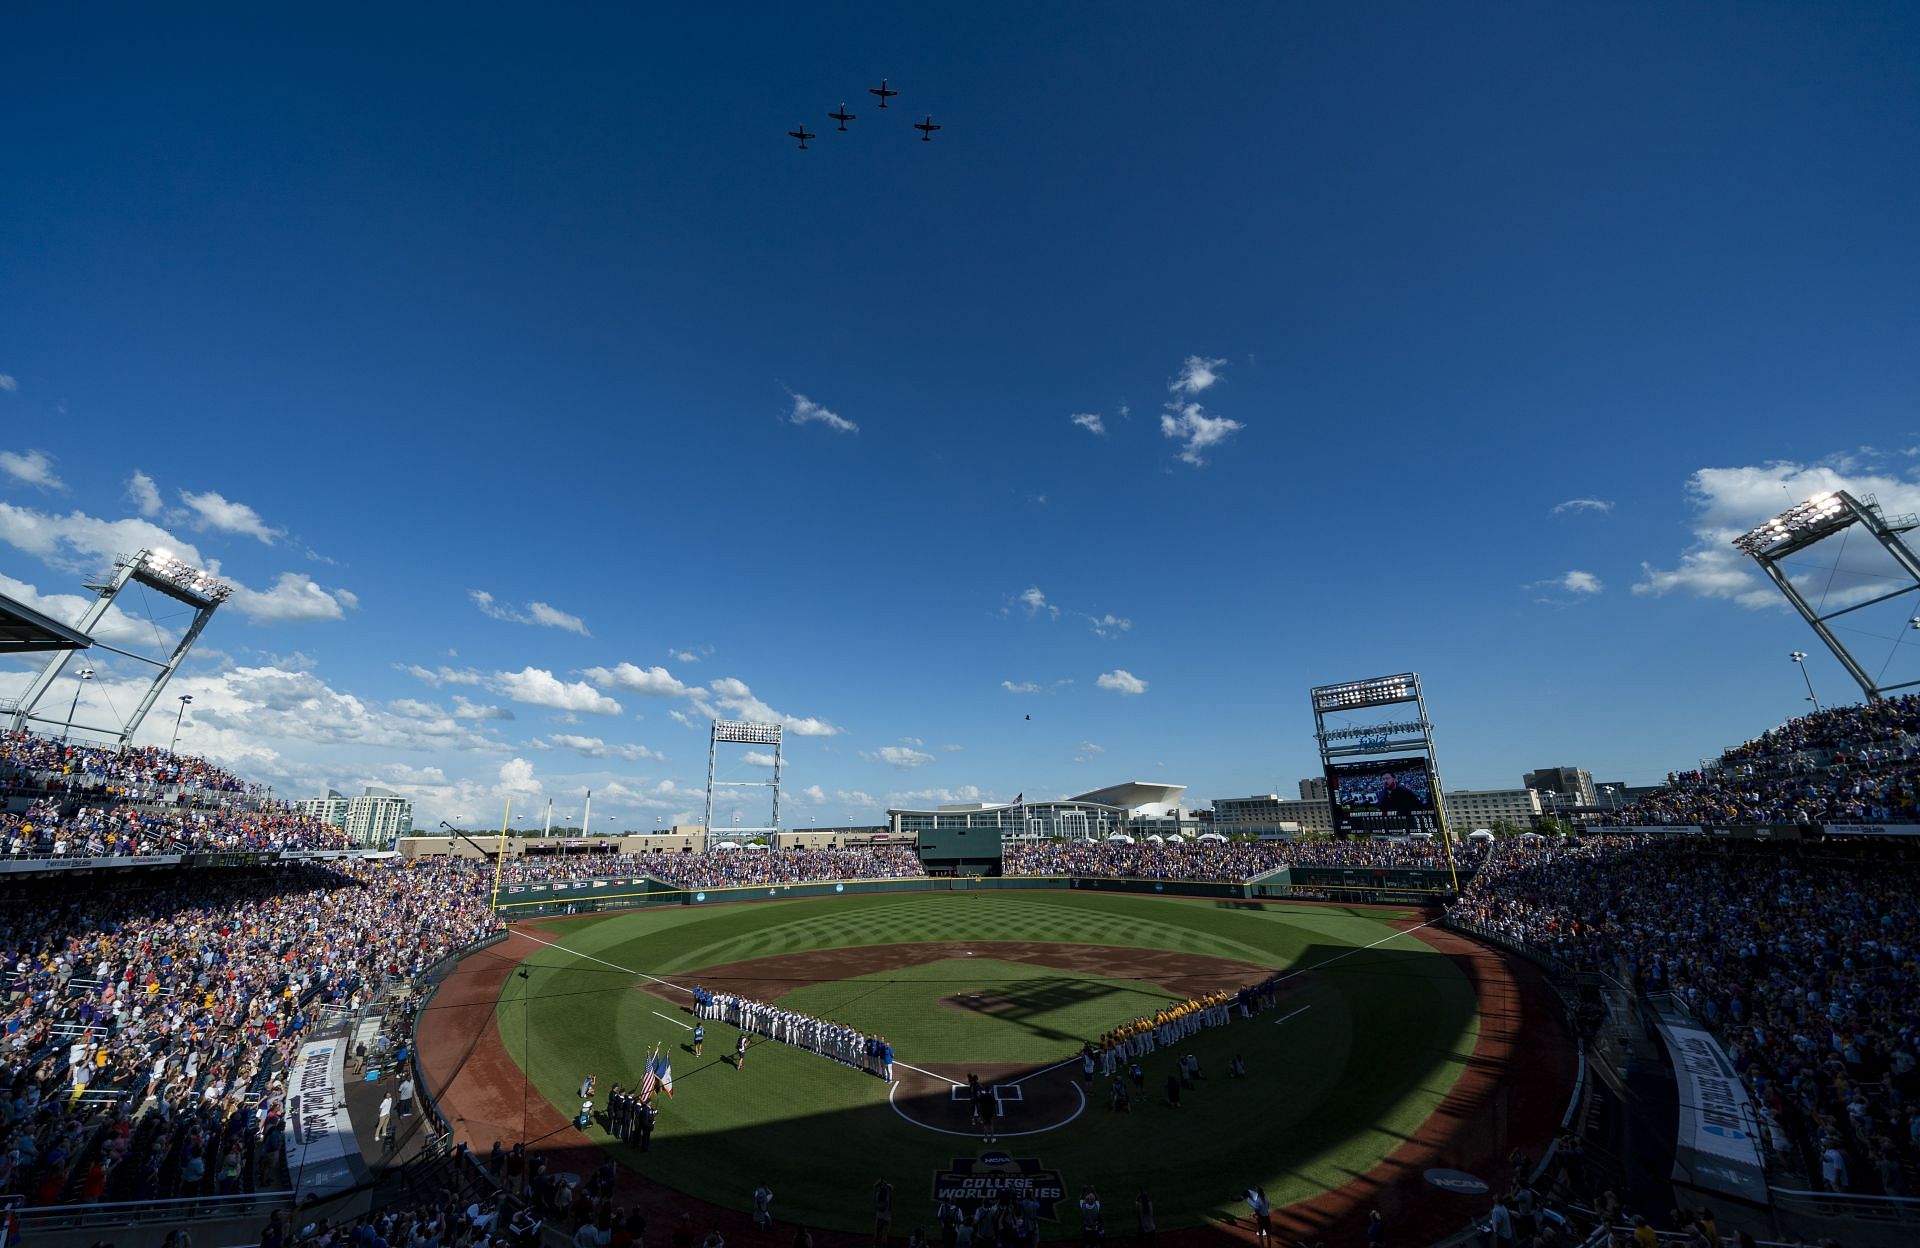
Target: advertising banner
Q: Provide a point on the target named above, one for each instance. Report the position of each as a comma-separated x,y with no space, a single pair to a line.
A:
1718,1146
321,1151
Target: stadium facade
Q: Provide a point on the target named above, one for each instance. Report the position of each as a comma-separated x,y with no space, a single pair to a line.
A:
1132,807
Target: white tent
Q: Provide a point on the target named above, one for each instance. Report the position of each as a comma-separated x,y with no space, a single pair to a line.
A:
728,845
1211,836
1122,837
1480,834
1156,839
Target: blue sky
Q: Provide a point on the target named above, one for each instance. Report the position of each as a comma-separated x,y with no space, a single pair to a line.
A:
389,309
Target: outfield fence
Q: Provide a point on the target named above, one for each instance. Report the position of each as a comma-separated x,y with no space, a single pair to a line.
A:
551,899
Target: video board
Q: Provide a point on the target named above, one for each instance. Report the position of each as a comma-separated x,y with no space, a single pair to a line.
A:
1382,795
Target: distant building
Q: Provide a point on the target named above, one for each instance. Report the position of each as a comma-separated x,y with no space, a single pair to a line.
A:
1265,812
1313,789
330,810
378,818
1572,786
1468,809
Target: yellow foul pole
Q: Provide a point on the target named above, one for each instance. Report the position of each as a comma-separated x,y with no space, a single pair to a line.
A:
500,853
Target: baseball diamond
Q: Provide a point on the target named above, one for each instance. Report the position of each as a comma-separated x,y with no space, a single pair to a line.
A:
1368,1057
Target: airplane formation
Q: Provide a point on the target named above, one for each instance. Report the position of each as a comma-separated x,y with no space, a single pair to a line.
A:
841,115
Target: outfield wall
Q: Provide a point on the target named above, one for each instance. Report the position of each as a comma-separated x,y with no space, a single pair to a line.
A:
564,897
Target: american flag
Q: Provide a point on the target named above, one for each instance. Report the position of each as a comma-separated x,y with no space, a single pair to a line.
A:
648,1079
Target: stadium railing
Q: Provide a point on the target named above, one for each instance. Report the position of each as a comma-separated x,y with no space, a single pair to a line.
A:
1899,1210
45,1219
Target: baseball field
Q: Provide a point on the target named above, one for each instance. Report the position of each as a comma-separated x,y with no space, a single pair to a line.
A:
1372,1029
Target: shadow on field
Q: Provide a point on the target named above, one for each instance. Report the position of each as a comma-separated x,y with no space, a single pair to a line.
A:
1025,1002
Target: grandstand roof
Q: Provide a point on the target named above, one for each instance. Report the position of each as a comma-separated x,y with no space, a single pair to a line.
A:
1134,794
25,631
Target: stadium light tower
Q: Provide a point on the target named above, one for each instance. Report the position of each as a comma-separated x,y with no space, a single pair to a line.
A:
155,570
1815,519
186,700
85,674
1396,734
1799,658
743,732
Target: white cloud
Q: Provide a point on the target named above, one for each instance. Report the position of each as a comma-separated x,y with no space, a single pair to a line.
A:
815,794
1196,374
536,613
7,383
652,682
912,741
854,797
1091,422
807,412
757,758
734,697
1581,583
516,780
84,543
1035,602
953,749
1025,686
1729,501
683,718
32,468
1188,423
1599,505
463,709
212,511
116,627
595,747
1109,625
1122,682
898,756
143,494
1088,747
683,656
294,597
539,687
438,676
937,797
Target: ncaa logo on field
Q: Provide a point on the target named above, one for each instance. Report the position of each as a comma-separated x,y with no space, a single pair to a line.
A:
969,1182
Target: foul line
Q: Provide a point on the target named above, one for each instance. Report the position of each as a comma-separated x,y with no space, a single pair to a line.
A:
1302,1010
676,1022
929,1074
554,944
1349,953
978,1135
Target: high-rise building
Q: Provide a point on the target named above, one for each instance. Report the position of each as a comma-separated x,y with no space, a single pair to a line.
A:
377,818
1470,809
1265,812
1313,789
330,810
1573,786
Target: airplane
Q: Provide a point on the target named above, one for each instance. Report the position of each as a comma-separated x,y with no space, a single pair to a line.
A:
880,91
802,135
926,128
843,116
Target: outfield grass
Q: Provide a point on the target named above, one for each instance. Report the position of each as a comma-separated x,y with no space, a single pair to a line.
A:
1384,1034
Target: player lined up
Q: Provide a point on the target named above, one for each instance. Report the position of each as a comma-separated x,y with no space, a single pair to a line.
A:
1167,1027
829,1039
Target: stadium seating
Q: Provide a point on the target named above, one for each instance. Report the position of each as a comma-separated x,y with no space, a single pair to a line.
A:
1847,764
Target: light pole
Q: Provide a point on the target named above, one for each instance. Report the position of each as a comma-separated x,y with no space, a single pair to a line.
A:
186,700
1799,658
85,674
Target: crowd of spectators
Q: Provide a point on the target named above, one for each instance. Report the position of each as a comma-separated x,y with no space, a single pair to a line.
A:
726,868
146,772
1804,958
61,799
1848,764
148,1028
1220,860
